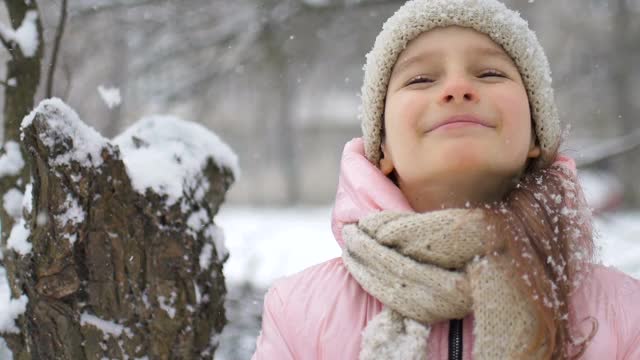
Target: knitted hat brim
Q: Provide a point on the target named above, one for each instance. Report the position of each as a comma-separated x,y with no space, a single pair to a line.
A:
505,27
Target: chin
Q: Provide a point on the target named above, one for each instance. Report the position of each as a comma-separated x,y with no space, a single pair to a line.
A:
464,158
462,146
463,167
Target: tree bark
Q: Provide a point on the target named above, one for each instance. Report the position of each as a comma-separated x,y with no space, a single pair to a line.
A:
22,79
103,253
19,99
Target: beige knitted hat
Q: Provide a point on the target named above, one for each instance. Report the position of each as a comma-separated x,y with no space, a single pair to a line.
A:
490,17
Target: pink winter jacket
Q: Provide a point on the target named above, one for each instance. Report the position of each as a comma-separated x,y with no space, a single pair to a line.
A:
320,313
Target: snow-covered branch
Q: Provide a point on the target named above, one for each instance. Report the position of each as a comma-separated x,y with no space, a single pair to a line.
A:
209,39
25,36
94,7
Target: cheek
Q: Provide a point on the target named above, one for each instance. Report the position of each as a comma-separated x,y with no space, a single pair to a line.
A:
514,102
405,112
404,127
516,121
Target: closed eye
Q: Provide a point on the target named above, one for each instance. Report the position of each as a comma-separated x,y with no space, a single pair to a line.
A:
492,73
419,79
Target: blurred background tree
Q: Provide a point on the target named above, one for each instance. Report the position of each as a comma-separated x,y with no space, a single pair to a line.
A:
89,264
279,79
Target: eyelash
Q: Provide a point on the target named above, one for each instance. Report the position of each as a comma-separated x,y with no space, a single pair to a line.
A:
488,73
492,73
417,78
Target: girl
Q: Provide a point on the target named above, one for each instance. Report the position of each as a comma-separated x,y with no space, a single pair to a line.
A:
464,232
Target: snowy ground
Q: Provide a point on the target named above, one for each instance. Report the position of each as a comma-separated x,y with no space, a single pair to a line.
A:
266,244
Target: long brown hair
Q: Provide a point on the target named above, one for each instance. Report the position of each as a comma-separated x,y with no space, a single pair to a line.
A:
544,225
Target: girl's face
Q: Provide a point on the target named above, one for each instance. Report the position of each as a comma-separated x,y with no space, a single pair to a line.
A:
457,120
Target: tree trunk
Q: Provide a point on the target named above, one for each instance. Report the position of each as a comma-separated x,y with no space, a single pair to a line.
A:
19,99
112,272
624,96
286,132
22,79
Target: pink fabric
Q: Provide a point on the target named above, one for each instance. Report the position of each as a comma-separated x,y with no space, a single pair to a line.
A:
362,189
321,312
566,161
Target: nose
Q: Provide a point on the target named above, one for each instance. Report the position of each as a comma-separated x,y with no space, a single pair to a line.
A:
458,90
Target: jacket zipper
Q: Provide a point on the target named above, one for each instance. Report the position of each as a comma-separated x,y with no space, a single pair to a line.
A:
455,339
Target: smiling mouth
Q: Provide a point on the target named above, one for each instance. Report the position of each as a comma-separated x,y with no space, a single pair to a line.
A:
459,124
461,121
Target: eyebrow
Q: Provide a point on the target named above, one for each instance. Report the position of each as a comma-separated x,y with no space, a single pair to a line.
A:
488,51
423,56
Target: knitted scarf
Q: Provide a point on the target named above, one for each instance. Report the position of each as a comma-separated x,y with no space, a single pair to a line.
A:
424,268
430,267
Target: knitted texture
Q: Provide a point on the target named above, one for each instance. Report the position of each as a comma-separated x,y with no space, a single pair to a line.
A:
430,267
391,336
505,27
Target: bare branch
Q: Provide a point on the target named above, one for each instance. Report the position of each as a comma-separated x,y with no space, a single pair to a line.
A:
610,148
69,77
56,47
345,4
104,6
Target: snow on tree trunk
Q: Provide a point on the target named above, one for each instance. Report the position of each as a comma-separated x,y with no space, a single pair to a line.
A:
120,257
23,37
